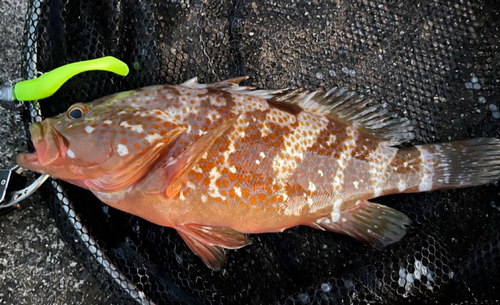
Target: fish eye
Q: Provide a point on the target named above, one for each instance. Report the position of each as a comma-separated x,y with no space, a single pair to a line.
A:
75,113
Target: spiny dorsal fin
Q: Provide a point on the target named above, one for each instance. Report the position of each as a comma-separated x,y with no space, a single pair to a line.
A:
352,109
228,83
232,85
337,103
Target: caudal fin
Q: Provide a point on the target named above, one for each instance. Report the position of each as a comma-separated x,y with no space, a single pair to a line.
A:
461,163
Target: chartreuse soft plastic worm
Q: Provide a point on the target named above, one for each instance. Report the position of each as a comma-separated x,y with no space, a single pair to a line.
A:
47,84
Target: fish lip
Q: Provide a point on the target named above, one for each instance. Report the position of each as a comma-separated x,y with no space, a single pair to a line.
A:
36,131
49,143
27,160
30,162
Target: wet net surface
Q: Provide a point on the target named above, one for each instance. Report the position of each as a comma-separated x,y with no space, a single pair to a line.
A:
436,63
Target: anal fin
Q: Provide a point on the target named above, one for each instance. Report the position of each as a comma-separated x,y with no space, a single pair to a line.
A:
209,242
375,224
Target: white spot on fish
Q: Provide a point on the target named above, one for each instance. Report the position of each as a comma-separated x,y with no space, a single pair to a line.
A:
190,185
257,162
214,102
284,196
356,184
181,196
232,169
342,161
427,173
237,191
320,172
312,187
89,129
231,149
380,159
309,201
335,215
136,128
262,155
212,116
426,184
203,198
401,185
70,153
336,204
152,137
264,130
171,161
205,230
337,181
214,189
108,122
331,139
343,219
122,150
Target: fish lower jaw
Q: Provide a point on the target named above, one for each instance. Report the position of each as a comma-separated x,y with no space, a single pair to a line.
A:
28,160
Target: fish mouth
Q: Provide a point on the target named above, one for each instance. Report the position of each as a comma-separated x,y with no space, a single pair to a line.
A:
29,161
48,144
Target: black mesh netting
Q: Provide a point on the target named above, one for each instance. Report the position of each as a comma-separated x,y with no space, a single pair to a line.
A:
436,62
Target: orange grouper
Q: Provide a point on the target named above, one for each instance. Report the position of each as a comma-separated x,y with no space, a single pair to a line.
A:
219,160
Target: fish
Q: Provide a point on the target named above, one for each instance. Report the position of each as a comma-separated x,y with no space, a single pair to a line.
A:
219,161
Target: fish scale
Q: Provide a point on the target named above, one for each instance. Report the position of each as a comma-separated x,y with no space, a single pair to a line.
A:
215,161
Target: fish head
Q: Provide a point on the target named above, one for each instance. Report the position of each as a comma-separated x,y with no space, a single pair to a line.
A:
68,142
105,144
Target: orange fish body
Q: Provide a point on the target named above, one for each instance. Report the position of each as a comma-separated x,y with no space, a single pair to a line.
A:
219,160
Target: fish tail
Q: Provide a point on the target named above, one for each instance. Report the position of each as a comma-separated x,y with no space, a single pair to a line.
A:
458,164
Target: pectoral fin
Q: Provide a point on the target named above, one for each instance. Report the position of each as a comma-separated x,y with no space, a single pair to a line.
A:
208,242
121,178
178,168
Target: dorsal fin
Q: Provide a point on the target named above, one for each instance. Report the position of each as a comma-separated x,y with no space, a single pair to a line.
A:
352,109
337,103
225,84
232,85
